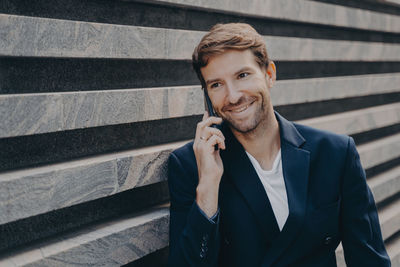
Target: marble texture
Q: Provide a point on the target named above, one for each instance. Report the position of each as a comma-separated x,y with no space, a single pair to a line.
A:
30,36
38,190
296,91
357,121
51,112
42,37
112,243
296,49
386,184
301,10
29,192
380,151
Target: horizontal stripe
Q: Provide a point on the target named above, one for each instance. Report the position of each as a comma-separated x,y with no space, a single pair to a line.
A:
375,134
39,37
320,89
55,186
25,151
33,150
384,6
174,17
305,11
389,218
357,121
39,75
51,112
115,173
136,235
393,250
41,113
385,185
380,151
69,219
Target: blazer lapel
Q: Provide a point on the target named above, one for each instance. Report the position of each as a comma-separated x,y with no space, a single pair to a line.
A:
243,175
295,164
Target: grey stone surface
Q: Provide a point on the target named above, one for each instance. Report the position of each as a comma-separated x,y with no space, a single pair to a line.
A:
29,114
293,48
357,121
389,218
304,11
386,184
51,112
38,190
29,36
33,191
40,113
308,90
380,151
393,250
112,243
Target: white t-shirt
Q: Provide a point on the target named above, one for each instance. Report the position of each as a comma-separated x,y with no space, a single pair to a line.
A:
274,185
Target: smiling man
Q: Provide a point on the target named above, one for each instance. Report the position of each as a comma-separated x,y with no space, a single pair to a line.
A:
274,193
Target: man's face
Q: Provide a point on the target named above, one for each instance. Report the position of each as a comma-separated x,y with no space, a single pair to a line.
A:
238,89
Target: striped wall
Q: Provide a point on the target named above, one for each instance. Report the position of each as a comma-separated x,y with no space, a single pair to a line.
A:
95,94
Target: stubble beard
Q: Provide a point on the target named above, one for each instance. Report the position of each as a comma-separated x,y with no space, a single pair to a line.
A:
248,127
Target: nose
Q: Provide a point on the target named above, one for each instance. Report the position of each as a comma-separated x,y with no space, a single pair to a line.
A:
233,93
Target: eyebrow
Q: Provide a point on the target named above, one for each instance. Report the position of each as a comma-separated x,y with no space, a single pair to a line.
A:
236,73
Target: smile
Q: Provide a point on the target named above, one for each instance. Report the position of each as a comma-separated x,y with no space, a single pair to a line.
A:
241,109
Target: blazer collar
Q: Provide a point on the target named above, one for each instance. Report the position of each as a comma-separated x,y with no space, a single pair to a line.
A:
295,164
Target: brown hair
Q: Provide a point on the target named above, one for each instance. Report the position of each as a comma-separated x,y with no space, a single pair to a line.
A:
222,37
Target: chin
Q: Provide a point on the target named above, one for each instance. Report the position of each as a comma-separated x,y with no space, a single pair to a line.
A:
244,127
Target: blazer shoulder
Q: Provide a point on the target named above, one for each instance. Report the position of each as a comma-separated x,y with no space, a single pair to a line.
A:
182,172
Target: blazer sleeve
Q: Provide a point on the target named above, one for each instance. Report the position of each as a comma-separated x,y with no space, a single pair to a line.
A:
361,235
194,238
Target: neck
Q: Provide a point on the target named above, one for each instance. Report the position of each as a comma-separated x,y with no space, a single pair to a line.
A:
263,143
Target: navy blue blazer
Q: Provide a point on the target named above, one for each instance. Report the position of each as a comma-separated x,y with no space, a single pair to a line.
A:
329,201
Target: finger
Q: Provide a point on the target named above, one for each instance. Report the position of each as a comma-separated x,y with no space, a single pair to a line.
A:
215,140
209,131
209,121
205,115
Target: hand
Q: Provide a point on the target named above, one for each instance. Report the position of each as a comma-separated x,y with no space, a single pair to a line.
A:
209,163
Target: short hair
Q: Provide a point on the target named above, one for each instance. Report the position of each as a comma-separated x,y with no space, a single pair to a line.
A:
223,37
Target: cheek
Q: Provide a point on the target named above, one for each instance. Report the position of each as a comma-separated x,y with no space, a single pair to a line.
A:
217,99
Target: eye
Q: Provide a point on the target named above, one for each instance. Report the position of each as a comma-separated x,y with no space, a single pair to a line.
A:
243,75
215,85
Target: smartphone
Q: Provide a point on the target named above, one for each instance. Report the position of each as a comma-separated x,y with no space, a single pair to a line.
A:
210,111
209,106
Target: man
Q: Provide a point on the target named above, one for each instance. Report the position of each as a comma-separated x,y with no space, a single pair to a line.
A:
274,193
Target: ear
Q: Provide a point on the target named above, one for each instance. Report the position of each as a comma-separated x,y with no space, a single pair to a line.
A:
271,74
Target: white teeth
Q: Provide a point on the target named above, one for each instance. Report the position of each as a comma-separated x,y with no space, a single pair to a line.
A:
240,110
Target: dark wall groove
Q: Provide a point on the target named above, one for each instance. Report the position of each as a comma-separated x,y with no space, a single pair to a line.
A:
34,75
34,150
174,17
372,5
26,231
327,107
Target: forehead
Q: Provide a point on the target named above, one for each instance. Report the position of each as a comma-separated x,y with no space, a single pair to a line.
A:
229,62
